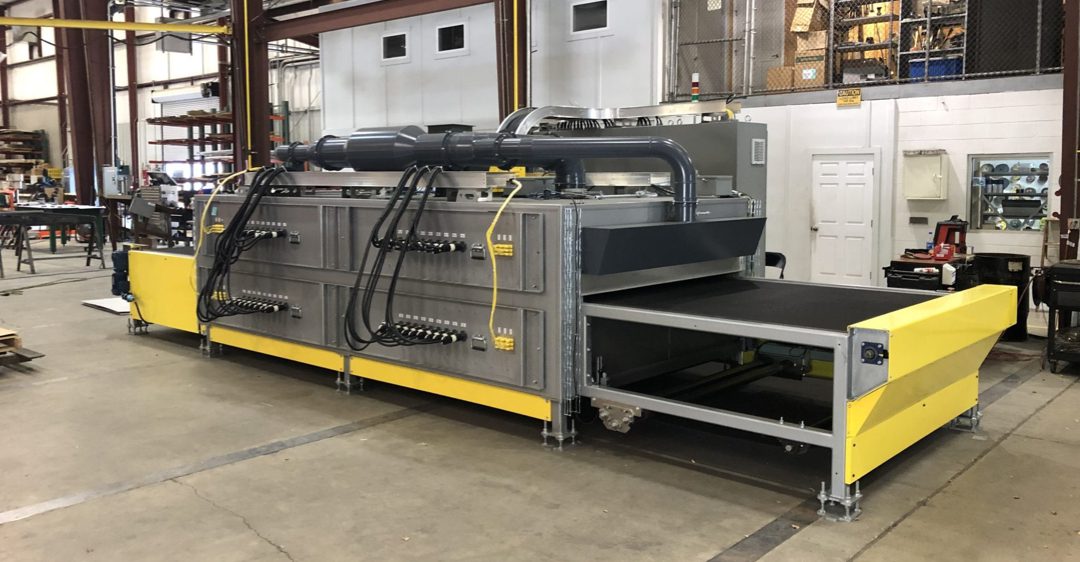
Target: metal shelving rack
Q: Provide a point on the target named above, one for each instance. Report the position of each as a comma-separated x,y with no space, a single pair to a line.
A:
929,25
20,151
207,131
846,15
1012,199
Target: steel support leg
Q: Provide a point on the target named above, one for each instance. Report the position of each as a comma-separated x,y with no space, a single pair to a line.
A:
137,327
968,421
348,382
839,501
207,346
561,427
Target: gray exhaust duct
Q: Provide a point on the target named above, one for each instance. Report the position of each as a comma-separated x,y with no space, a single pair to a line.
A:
397,149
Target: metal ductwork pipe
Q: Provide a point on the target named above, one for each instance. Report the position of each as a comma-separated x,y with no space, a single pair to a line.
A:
397,149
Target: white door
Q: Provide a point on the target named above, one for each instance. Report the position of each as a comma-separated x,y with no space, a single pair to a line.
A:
841,220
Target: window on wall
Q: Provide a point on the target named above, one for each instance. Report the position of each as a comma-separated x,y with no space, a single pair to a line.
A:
588,16
395,46
451,38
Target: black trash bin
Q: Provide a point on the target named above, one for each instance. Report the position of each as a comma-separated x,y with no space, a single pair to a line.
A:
1008,269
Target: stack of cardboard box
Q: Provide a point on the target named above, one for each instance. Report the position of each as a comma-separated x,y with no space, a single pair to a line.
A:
810,27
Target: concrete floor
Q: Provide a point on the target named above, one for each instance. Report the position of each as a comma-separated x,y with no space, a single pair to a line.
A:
119,447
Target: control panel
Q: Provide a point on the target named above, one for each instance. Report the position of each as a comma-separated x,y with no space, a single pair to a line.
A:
278,307
455,338
449,245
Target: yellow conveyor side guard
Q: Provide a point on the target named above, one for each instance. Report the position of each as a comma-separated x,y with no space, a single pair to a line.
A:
935,350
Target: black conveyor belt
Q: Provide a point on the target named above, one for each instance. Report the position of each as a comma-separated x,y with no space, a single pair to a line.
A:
821,307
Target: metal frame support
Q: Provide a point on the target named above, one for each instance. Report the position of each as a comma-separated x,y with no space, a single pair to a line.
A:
98,48
105,24
224,78
251,86
79,104
839,500
131,50
61,90
839,494
5,109
512,54
362,14
1070,130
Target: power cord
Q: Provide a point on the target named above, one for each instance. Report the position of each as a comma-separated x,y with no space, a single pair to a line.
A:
491,252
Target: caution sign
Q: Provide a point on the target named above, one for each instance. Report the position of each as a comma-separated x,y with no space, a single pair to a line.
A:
849,97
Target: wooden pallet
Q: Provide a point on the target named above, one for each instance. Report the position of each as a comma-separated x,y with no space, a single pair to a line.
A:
12,351
9,340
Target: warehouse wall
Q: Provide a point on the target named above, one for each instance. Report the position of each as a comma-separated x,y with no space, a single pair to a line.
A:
1001,122
1005,122
795,133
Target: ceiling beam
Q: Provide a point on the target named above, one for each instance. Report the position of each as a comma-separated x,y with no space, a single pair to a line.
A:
364,14
296,7
111,25
309,40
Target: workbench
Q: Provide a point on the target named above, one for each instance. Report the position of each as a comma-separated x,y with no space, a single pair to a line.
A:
51,216
901,273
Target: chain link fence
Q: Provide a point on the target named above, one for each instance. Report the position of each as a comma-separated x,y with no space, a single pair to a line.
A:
800,45
710,39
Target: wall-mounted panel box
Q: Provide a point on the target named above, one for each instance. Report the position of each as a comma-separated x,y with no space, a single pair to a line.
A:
926,175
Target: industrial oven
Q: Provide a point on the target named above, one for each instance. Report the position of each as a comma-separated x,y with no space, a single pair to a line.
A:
578,281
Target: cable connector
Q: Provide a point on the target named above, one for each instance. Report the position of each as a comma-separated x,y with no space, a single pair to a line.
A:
503,343
502,250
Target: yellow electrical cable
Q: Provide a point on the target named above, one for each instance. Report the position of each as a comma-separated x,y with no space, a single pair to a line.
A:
203,231
491,253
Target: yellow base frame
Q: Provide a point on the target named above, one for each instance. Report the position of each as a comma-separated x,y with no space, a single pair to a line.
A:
164,288
306,354
935,350
515,401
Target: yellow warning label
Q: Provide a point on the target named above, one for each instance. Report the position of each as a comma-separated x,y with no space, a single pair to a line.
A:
849,97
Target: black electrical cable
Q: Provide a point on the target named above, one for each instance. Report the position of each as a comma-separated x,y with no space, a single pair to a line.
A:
385,244
410,240
353,336
215,297
388,333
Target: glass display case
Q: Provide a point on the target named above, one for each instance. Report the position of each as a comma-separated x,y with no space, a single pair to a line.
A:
1009,191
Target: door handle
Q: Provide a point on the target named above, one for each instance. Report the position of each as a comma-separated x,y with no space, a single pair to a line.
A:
813,229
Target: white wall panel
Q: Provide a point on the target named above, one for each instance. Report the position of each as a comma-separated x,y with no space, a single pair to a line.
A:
613,67
428,88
